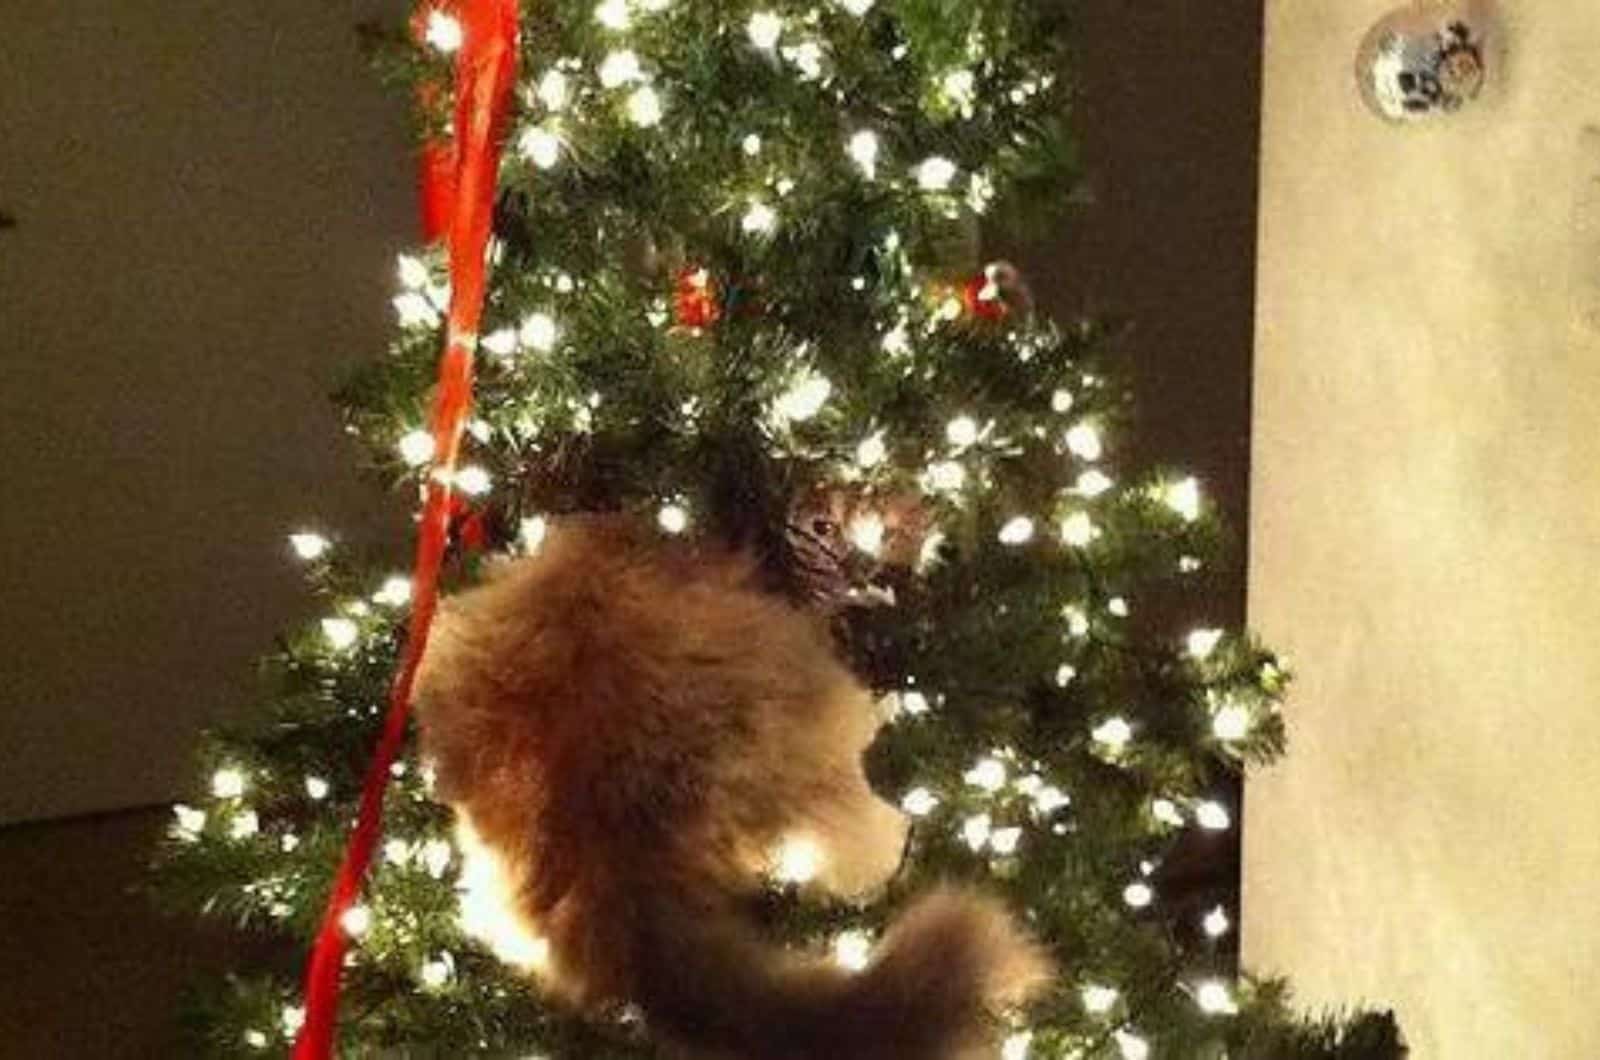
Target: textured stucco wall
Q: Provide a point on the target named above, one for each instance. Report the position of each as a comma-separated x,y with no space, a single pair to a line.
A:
1425,534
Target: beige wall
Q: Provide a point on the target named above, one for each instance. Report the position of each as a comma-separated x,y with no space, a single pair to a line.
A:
1426,538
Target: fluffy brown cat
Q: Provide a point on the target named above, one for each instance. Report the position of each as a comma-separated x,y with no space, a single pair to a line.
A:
631,728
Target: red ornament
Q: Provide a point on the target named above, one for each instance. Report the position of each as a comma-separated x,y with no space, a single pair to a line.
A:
696,303
983,297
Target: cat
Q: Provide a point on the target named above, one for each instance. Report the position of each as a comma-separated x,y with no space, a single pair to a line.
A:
630,728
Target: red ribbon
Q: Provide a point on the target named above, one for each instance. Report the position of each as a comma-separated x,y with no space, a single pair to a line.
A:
463,176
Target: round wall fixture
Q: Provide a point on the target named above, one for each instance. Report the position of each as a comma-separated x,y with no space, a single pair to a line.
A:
1426,60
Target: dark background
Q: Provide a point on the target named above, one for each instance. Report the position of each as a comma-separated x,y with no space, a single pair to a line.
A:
208,204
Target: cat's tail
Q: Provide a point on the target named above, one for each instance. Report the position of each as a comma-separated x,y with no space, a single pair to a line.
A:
934,989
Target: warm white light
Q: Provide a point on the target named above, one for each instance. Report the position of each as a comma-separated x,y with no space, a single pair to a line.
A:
1017,531
918,802
896,342
1114,733
928,554
502,342
474,481
1212,816
807,55
1004,840
958,86
443,32
988,774
914,703
1083,441
1132,1046
1216,922
765,28
644,107
244,825
1118,606
188,822
228,783
1215,999
936,173
1077,621
316,788
1202,642
856,7
759,219
975,830
340,633
1078,530
1098,1000
872,451
1061,401
436,973
533,532
1184,498
852,950
673,518
553,90
415,311
866,533
397,852
751,144
1138,895
613,14
1049,799
961,431
797,860
1166,811
618,68
255,1039
413,272
292,1019
1015,1046
416,447
1188,564
540,146
538,332
436,856
805,398
1064,675
356,921
947,476
395,592
307,545
1231,722
863,150
1093,482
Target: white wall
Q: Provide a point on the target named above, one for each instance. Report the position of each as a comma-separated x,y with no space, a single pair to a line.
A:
1426,538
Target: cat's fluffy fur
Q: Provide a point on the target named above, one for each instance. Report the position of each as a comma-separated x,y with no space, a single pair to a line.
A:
633,728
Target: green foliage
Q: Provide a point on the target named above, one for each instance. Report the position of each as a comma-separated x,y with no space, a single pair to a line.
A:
1054,747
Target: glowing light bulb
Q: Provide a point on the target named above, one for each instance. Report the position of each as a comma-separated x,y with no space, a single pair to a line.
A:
862,147
1098,1000
961,431
1093,483
413,272
805,398
1117,606
1115,733
618,68
1138,895
340,633
1216,923
395,592
1061,401
1049,799
435,973
914,703
1231,722
988,774
958,87
1132,1046
673,518
316,788
292,1019
918,802
308,546
1017,531
474,481
502,342
644,107
852,950
416,448
1188,564
553,90
872,451
540,146
436,856
807,55
896,342
947,476
975,831
613,14
759,219
1078,530
228,783
397,852
1184,498
1202,642
936,173
797,860
1212,816
751,144
443,32
856,7
1166,811
255,1039
1083,441
1077,621
764,29
1215,999
289,843
415,311
538,332
1064,675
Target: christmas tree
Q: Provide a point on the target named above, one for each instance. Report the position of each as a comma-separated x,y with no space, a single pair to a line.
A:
733,289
